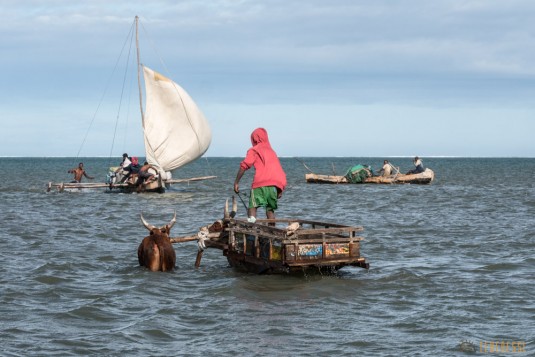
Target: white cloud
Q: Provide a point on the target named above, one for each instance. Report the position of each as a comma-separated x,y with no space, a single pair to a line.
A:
437,54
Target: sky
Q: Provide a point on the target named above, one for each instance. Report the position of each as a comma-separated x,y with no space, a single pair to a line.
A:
325,78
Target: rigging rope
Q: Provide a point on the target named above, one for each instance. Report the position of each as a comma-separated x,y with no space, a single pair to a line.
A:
121,100
105,91
128,112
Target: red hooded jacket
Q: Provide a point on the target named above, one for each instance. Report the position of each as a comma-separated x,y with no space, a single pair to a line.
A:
268,169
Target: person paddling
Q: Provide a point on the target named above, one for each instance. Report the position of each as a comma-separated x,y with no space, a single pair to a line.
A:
419,167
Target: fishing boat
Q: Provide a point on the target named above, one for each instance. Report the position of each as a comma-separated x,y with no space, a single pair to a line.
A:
281,246
422,178
175,133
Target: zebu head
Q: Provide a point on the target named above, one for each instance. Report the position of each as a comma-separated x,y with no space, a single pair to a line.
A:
165,229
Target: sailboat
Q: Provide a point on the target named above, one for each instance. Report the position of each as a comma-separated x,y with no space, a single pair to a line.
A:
175,133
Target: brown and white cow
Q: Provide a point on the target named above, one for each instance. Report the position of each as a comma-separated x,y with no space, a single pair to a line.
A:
156,251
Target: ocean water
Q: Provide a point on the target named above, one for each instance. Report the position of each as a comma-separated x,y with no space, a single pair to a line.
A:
450,262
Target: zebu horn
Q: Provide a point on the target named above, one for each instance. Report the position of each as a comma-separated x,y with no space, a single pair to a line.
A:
150,227
234,207
225,212
173,221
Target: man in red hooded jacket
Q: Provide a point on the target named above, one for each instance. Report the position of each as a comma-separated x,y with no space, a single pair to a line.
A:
269,180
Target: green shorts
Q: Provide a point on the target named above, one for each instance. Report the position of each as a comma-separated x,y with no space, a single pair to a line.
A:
264,197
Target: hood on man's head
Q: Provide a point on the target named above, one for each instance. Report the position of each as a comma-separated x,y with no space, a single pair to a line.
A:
259,135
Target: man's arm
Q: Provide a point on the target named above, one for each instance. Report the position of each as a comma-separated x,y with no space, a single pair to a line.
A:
241,171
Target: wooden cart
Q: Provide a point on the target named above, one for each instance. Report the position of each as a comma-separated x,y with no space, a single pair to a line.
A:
271,246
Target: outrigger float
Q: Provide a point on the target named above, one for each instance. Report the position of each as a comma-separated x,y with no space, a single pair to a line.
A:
281,246
127,187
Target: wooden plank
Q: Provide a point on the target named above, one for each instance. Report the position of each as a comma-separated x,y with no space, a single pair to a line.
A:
263,224
72,185
173,181
93,185
193,237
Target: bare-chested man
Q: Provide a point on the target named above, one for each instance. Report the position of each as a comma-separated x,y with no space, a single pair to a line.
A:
147,174
78,173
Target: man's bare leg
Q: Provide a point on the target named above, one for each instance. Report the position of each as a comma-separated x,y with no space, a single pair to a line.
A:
252,212
270,215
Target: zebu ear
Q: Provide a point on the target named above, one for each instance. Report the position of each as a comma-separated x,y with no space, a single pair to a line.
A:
150,227
234,207
225,212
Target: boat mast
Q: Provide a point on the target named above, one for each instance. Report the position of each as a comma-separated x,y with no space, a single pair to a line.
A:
138,74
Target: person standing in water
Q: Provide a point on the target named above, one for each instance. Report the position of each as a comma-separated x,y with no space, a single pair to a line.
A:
78,173
269,179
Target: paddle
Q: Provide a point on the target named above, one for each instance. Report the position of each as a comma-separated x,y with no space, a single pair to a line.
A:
306,167
241,199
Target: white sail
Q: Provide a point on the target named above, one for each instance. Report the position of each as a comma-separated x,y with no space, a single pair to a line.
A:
176,131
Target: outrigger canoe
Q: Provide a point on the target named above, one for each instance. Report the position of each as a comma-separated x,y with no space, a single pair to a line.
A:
175,131
127,187
422,178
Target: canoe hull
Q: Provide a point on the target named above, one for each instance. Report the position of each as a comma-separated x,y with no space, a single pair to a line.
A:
423,178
